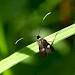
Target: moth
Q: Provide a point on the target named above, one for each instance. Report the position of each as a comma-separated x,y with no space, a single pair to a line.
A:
44,47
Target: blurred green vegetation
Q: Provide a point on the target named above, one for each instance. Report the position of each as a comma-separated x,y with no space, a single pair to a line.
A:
22,19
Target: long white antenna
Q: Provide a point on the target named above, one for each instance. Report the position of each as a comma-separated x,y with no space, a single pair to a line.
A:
46,16
22,39
43,20
39,28
18,40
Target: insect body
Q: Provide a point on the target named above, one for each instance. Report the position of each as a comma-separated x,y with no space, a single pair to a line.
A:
44,47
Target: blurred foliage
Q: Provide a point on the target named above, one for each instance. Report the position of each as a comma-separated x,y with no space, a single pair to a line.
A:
22,18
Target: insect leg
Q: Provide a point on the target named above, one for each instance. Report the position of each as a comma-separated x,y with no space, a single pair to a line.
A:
53,39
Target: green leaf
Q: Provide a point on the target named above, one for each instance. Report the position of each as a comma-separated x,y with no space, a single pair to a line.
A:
32,49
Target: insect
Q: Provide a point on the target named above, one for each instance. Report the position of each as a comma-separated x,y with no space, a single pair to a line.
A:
44,46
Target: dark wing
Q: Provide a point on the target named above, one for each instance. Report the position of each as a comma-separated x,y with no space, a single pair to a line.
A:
42,52
45,48
49,48
42,48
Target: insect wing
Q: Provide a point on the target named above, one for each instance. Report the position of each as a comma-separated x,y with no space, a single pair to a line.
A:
49,49
43,53
42,46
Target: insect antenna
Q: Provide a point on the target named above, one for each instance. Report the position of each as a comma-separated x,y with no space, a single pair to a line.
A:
43,21
22,39
38,30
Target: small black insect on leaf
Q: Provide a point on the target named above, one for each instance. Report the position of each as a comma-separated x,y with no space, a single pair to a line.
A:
44,47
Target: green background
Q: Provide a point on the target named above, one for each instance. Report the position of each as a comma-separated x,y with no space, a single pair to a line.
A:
22,18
